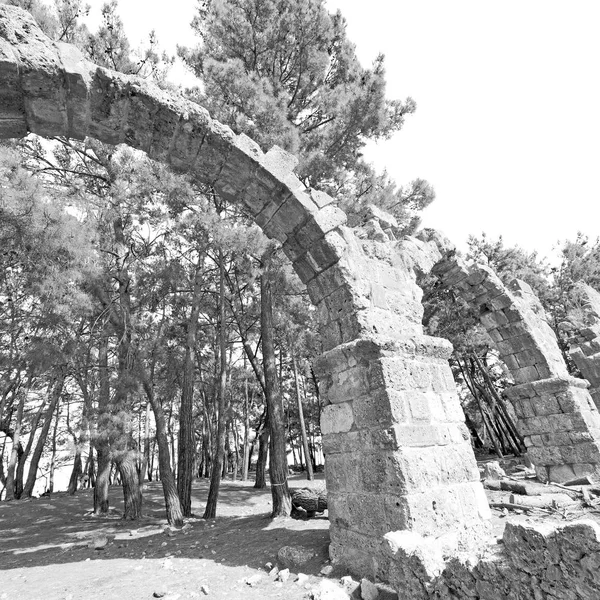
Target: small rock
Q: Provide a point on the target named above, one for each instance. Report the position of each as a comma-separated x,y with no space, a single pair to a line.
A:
274,571
205,590
268,566
294,556
187,527
252,581
349,584
99,542
493,470
159,593
167,563
368,590
164,544
301,578
328,590
326,570
283,575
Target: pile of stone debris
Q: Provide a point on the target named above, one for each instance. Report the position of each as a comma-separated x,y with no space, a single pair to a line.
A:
515,489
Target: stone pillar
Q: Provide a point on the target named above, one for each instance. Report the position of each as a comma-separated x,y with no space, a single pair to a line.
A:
561,426
555,412
398,454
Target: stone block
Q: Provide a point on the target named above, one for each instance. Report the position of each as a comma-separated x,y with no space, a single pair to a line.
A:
559,422
427,434
328,250
367,514
380,408
77,81
343,471
279,162
587,452
348,385
501,301
339,443
327,282
546,405
562,473
562,438
212,157
534,426
546,456
109,107
526,374
337,418
305,269
185,145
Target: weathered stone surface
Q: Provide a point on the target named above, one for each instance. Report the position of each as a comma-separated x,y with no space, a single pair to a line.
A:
294,556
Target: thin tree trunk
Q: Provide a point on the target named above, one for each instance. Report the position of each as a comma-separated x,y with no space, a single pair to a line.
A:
16,450
53,456
246,429
278,467
39,448
146,460
187,442
215,480
25,454
101,437
76,472
172,503
309,470
260,480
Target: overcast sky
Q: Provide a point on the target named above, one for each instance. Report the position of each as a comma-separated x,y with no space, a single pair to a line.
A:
507,127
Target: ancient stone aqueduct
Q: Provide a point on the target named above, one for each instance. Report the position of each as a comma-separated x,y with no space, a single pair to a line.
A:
406,502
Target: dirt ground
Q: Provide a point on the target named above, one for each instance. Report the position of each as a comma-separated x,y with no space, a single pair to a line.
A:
44,551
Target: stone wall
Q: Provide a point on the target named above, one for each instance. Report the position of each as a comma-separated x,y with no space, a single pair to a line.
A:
530,562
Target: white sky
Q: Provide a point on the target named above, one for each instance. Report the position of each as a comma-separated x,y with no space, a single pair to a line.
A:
507,127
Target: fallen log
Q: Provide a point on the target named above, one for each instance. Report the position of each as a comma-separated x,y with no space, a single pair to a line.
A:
310,500
543,501
529,488
511,506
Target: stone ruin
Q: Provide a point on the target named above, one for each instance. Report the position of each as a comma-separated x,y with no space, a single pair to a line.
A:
405,500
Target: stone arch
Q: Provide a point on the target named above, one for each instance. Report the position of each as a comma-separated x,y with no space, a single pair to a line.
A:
555,412
397,450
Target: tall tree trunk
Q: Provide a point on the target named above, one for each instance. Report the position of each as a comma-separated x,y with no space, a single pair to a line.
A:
17,449
76,472
101,437
172,503
215,479
260,480
246,452
146,462
39,448
131,480
187,442
53,455
278,467
101,503
25,454
309,470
